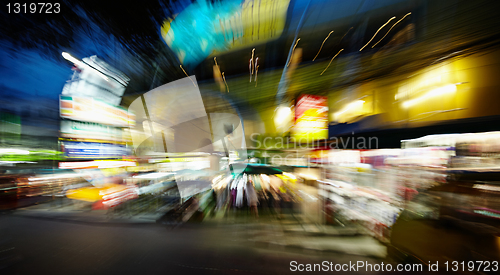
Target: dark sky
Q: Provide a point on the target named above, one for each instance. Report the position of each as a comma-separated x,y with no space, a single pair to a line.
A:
41,73
33,72
31,46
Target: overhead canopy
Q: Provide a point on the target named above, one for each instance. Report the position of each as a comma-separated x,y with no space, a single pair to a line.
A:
255,168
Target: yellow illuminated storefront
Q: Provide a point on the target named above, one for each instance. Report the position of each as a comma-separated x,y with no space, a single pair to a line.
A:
457,89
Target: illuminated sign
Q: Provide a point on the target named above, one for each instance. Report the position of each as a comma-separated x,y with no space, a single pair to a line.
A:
203,28
93,110
96,164
74,149
257,22
311,118
96,79
90,130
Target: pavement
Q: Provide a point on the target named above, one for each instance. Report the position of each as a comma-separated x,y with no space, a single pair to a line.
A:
91,217
53,247
292,232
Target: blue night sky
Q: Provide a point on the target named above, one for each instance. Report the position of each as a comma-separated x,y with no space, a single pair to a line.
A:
34,74
30,73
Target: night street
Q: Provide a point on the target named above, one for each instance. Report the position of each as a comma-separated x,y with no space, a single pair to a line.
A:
54,247
250,137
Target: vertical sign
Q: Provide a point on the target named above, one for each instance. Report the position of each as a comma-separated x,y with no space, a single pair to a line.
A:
311,118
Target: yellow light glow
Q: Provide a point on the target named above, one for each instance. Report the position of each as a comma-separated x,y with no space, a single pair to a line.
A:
448,89
432,78
358,104
282,114
292,176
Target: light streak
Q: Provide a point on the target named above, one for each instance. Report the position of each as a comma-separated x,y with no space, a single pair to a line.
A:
322,45
293,50
250,65
391,29
377,32
187,75
68,57
227,87
14,151
331,62
345,34
250,69
253,50
450,88
353,105
216,65
215,60
256,70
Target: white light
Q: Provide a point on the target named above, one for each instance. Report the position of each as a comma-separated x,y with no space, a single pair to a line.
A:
289,175
96,164
153,175
311,197
216,179
14,162
50,177
308,176
266,178
282,114
451,88
14,151
68,57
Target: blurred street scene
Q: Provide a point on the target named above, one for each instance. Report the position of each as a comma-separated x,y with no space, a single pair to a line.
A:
244,136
